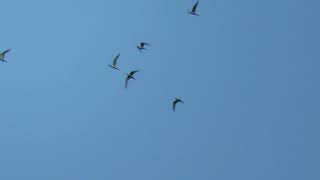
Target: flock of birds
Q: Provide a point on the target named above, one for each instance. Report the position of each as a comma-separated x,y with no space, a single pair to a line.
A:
141,47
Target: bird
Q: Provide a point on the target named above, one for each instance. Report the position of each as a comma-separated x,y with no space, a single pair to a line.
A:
176,100
114,62
130,76
194,9
141,46
2,55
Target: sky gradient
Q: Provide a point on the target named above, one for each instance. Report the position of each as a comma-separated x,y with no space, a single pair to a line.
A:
247,70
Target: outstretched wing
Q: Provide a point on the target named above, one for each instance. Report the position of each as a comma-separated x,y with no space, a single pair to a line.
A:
194,8
174,105
5,52
126,82
133,72
144,43
114,63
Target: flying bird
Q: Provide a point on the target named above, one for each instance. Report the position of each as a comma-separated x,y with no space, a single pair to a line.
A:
176,100
2,55
114,62
130,76
141,46
194,9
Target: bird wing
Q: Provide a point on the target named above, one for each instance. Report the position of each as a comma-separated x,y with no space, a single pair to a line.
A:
126,82
175,102
194,8
133,72
6,51
174,105
114,63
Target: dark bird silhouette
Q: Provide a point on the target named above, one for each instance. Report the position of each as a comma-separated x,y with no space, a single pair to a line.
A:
194,9
114,62
176,100
141,46
129,76
2,55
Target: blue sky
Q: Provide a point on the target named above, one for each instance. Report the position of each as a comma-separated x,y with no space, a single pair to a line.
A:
247,71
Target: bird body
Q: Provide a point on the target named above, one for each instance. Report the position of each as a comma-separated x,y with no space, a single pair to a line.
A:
114,62
2,55
193,13
176,100
113,67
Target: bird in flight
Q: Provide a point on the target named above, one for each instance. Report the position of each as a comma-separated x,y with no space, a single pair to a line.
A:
194,9
114,62
141,46
130,76
176,100
2,55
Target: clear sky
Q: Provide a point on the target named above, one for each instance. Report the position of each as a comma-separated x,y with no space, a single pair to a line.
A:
247,70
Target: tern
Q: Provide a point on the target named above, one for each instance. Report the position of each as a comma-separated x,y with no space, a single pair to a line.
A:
114,62
130,76
141,46
176,100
